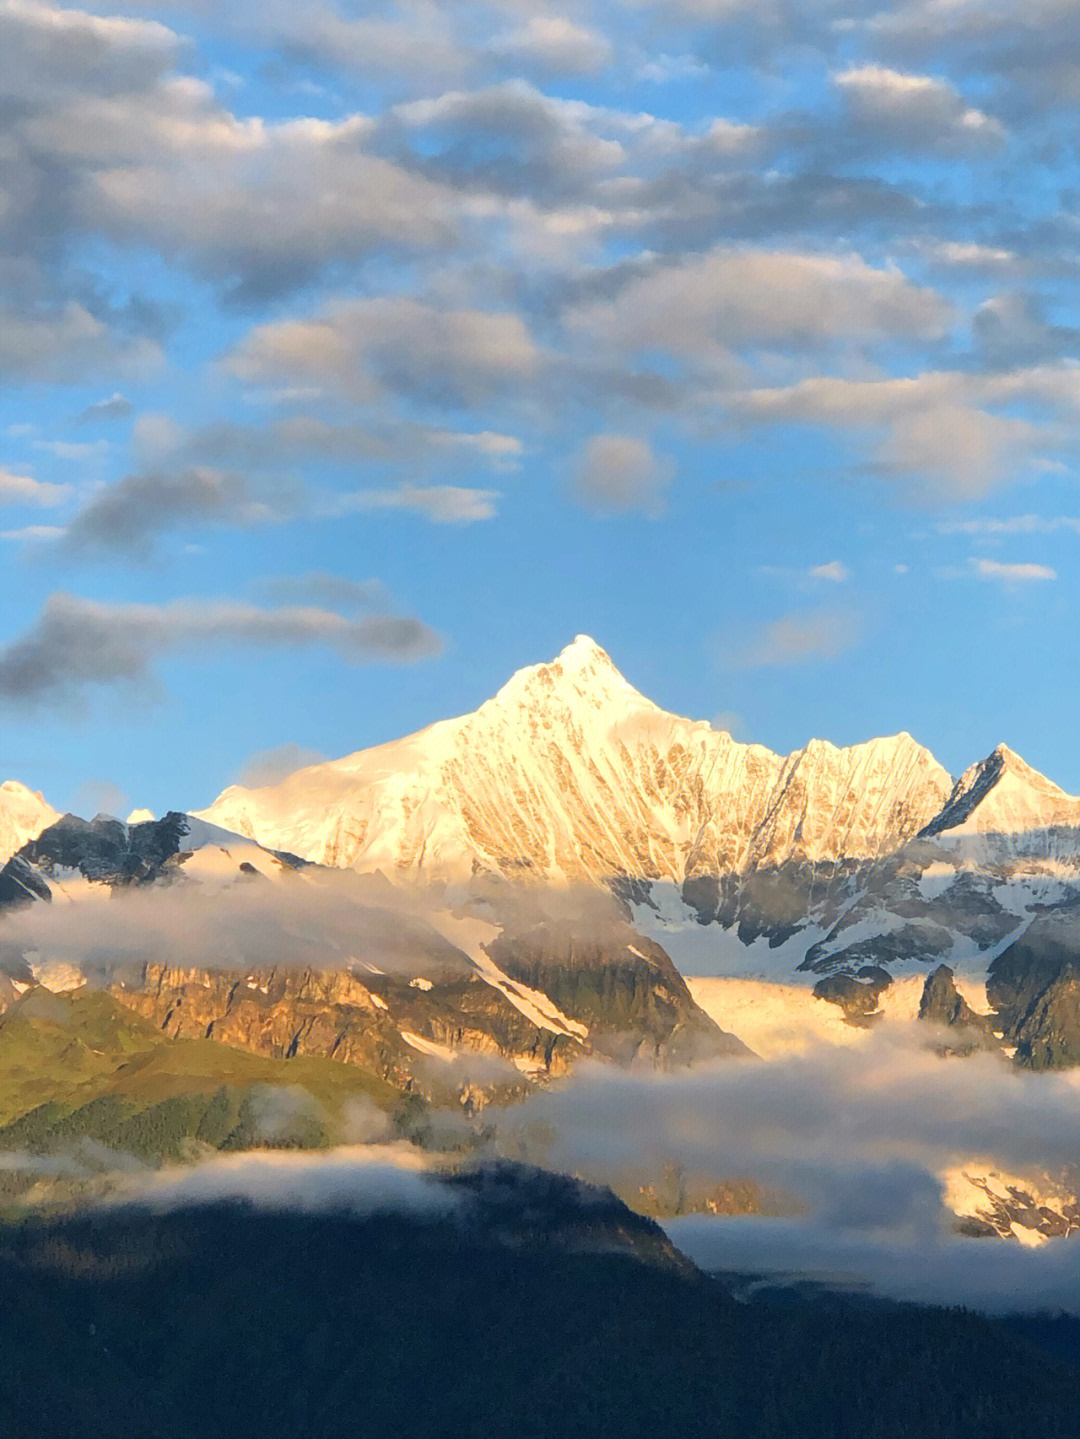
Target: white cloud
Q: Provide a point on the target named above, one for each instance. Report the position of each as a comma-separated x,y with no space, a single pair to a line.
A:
1012,574
25,490
992,528
706,306
442,504
556,44
942,433
835,570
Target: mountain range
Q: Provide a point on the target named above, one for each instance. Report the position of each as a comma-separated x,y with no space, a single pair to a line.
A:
570,873
846,870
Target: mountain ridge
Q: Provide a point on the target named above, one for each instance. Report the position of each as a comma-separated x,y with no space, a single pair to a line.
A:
568,773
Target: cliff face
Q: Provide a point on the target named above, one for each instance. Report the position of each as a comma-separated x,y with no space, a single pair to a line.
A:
405,1034
1035,987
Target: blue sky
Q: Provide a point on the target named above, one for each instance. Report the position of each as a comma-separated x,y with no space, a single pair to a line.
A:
355,356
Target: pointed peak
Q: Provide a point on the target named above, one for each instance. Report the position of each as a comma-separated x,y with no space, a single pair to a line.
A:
582,671
1002,791
583,653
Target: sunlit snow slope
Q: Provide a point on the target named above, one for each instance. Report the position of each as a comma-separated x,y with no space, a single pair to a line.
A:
570,774
23,815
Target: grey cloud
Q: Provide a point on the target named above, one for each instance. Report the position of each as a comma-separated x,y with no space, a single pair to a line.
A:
993,1277
62,344
362,348
620,473
1030,58
509,138
325,921
289,441
411,38
1011,330
76,645
319,588
125,517
857,1137
915,114
47,50
121,145
113,408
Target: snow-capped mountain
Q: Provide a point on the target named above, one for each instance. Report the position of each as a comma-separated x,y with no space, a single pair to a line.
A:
24,813
569,774
736,860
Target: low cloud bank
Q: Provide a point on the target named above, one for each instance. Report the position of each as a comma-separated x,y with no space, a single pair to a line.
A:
996,1277
358,1179
233,923
856,1139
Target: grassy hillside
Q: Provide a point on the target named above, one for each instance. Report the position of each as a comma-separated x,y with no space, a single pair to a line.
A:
80,1067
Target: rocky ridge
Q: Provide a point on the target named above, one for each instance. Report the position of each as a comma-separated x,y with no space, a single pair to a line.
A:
314,964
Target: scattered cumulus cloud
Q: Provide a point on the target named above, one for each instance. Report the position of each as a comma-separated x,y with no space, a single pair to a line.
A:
835,571
915,113
622,473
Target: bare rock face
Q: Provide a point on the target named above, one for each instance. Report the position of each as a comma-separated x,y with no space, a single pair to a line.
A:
943,1004
621,986
857,995
368,1021
1035,987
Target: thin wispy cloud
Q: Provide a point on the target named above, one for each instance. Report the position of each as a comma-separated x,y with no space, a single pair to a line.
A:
1015,573
799,638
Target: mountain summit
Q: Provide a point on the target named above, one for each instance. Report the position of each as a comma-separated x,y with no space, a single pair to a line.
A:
568,773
